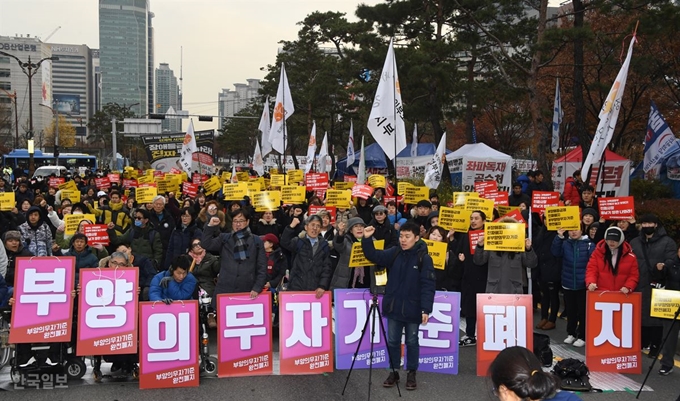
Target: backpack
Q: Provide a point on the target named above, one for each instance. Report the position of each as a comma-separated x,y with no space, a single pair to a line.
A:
542,349
573,375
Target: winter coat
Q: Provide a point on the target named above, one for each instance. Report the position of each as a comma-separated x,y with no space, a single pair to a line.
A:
366,212
387,232
203,219
410,287
206,272
575,255
3,260
572,192
278,269
176,291
164,225
671,273
11,262
3,289
180,241
20,196
515,200
506,269
262,227
84,259
38,238
144,241
549,266
142,263
309,270
236,275
343,274
599,270
650,251
344,216
117,213
470,279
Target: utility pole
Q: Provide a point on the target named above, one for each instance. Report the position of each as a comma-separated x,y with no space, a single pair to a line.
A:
113,144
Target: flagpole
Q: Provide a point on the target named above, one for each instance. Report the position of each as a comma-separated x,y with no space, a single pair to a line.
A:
394,104
283,104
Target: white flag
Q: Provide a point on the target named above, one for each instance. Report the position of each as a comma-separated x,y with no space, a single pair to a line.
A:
558,113
258,163
233,174
283,108
414,141
311,149
323,155
188,149
386,121
361,174
265,126
435,168
608,116
350,145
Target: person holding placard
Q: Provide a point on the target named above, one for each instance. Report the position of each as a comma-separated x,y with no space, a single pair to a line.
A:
345,276
670,271
182,236
516,196
443,277
36,234
613,265
383,229
142,237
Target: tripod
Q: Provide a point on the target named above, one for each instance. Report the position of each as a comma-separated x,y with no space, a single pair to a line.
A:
670,330
372,312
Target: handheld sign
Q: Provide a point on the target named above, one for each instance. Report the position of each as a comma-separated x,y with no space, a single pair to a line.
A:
343,185
542,199
459,198
96,234
212,186
295,176
339,199
267,201
618,208
71,222
437,251
504,237
485,205
454,218
357,257
362,191
665,303
377,181
7,201
415,194
293,194
277,180
235,192
145,194
565,217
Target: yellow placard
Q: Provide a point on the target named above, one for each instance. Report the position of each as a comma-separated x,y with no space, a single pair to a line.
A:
235,191
145,194
460,197
401,187
226,176
68,185
253,187
71,194
357,257
665,303
504,237
273,170
485,205
377,181
260,182
566,217
212,186
7,201
277,180
338,198
267,201
149,171
295,176
456,218
242,176
341,186
437,251
164,185
503,210
293,194
145,179
71,222
415,194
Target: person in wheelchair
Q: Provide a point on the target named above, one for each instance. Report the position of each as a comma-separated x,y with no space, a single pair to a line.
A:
174,284
205,269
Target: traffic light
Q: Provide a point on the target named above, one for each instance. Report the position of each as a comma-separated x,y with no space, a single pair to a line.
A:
56,151
157,116
205,118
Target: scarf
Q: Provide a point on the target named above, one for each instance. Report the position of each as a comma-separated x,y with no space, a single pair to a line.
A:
359,272
240,247
198,257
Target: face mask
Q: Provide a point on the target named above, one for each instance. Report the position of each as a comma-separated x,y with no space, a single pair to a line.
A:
648,230
138,223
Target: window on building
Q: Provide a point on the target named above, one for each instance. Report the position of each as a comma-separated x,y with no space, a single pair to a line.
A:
5,85
4,73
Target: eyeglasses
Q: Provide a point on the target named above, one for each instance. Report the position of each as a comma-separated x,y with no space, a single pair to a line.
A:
195,244
117,264
379,213
239,221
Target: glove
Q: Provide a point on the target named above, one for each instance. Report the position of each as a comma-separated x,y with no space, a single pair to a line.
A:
165,281
166,301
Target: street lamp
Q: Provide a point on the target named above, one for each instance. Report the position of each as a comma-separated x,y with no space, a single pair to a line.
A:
30,69
56,113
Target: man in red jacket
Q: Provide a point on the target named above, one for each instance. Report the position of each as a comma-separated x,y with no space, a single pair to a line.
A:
613,265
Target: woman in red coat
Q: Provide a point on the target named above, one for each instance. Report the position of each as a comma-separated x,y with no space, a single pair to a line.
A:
613,266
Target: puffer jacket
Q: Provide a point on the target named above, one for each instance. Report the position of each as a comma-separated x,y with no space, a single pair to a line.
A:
117,213
600,272
343,273
37,239
309,270
175,291
180,241
575,255
262,228
385,231
506,269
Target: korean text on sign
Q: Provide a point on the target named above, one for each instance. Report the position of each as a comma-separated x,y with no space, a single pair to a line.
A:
617,208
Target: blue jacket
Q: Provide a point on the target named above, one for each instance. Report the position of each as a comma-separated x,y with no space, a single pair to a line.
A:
575,255
175,291
410,288
84,259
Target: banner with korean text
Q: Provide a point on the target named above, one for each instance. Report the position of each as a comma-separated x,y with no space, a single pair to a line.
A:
613,336
244,327
305,335
504,237
357,257
437,251
565,217
44,308
503,320
665,303
616,208
454,218
542,199
352,308
107,311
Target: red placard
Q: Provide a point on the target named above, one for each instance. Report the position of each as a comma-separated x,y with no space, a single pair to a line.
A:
148,184
56,181
96,234
157,174
102,183
113,177
362,191
316,181
485,186
397,199
129,183
190,189
331,209
542,199
320,193
199,179
389,189
473,236
349,178
515,214
175,170
613,336
503,321
617,208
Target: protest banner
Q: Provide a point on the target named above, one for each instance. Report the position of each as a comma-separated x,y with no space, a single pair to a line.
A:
473,237
293,194
305,335
71,222
504,237
113,178
437,251
235,192
44,308
69,185
277,180
377,181
130,183
259,181
242,176
102,183
350,178
485,205
401,187
617,208
415,194
107,312
665,303
513,214
357,257
351,308
613,335
339,199
438,339
168,343
145,194
295,176
145,179
362,191
343,185
454,218
503,321
542,199
267,201
70,194
565,217
157,173
503,210
200,178
213,185
314,181
483,187
96,234
459,198
332,210
54,182
253,187
244,345
398,200
225,176
498,198
190,189
7,201
166,185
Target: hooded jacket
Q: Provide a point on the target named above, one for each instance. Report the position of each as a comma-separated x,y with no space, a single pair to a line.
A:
575,254
612,278
37,238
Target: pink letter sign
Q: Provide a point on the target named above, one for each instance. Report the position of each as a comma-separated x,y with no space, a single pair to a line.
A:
43,311
244,327
305,337
169,342
107,313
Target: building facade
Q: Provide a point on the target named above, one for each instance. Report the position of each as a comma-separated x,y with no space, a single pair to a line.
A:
232,101
167,95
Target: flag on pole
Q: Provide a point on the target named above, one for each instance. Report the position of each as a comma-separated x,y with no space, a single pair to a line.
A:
258,163
283,108
188,148
474,132
323,155
660,142
435,168
350,145
311,149
608,116
361,174
558,113
386,121
414,141
264,127
233,174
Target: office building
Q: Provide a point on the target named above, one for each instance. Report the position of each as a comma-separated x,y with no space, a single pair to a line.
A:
167,95
232,101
